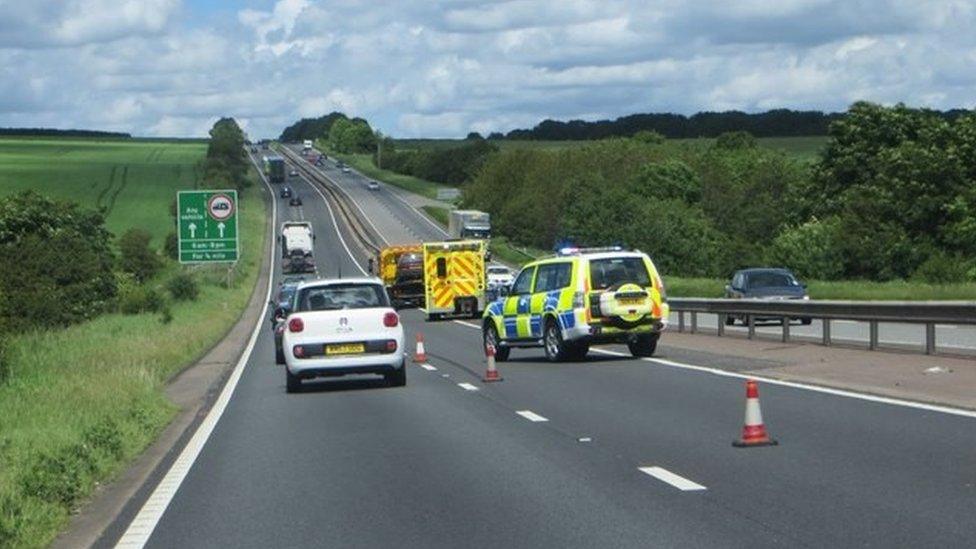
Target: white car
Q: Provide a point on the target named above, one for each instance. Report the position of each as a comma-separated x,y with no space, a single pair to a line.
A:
373,185
500,276
345,169
342,326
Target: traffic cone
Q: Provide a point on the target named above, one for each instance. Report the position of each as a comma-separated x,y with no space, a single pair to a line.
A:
491,374
754,431
421,354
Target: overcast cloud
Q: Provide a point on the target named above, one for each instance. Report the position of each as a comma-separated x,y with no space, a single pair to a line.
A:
444,68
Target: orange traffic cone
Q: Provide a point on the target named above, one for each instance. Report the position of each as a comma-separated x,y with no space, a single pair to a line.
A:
754,431
421,354
491,374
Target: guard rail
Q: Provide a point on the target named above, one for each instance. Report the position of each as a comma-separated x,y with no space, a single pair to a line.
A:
928,313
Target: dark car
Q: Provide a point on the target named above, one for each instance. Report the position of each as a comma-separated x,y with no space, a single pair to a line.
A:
285,192
295,200
280,307
765,283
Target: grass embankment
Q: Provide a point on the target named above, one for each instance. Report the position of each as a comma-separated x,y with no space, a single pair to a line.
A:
363,163
82,402
437,213
133,181
898,290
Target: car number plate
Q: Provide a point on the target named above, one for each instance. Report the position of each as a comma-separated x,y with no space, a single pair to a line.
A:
631,301
345,349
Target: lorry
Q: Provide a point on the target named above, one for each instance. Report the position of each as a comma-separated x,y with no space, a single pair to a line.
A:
469,224
296,247
454,278
274,168
306,146
402,270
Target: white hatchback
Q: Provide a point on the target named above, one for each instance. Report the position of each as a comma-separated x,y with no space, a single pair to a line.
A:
339,327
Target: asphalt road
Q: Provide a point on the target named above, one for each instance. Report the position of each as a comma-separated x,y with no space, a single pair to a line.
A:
435,464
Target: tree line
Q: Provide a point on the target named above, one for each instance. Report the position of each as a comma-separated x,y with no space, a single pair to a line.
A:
892,196
53,132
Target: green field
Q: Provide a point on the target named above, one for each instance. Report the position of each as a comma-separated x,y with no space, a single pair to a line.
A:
132,181
78,404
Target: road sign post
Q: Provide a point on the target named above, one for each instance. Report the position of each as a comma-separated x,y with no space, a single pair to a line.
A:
207,226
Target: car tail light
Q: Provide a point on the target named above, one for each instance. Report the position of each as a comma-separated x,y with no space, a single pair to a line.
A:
296,325
391,345
298,351
391,320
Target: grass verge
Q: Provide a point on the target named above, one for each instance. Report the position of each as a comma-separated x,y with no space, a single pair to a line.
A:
80,403
363,163
898,290
438,214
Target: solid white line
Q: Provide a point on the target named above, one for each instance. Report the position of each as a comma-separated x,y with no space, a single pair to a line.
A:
467,387
468,324
806,387
679,482
428,367
336,225
143,525
531,416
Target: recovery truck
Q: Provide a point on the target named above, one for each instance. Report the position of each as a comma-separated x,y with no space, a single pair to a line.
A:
296,247
402,270
454,278
469,224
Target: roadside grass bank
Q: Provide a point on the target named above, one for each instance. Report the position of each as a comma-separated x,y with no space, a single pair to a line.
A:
437,213
363,163
132,181
856,290
79,403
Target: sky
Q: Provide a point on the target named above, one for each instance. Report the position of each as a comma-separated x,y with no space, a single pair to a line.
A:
443,68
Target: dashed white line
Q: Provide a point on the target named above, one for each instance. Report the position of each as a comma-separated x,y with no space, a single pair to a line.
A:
531,416
428,367
678,481
467,387
468,324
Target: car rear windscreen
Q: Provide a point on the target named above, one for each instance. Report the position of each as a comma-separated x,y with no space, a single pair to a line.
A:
771,280
342,296
614,271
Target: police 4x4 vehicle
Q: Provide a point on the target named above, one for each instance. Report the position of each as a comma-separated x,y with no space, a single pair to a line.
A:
578,298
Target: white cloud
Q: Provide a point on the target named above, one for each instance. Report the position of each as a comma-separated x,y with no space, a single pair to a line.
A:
446,67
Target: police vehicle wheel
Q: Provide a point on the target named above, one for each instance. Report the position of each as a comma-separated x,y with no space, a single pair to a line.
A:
490,336
644,345
579,351
552,340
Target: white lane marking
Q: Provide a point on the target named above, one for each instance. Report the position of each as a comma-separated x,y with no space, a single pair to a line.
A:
428,367
467,387
468,324
678,481
143,525
806,387
420,213
531,416
336,226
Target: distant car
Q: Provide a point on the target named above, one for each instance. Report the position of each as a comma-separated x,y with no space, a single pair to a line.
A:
295,200
318,162
293,173
373,185
345,169
340,164
285,192
499,276
280,306
765,283
340,327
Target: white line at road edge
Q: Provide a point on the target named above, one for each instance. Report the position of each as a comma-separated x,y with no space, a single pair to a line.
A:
428,367
467,387
531,416
142,527
679,482
806,387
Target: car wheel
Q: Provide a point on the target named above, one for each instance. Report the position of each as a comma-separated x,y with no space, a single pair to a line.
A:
644,345
552,340
806,321
578,351
490,334
434,317
729,320
397,378
293,383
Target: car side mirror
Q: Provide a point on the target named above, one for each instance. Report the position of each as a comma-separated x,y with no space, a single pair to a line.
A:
281,313
503,291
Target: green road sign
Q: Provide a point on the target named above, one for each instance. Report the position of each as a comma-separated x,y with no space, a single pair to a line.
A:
207,226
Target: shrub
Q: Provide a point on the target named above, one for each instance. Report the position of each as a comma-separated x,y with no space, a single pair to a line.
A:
941,268
138,258
171,247
736,140
809,250
649,136
141,299
183,287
